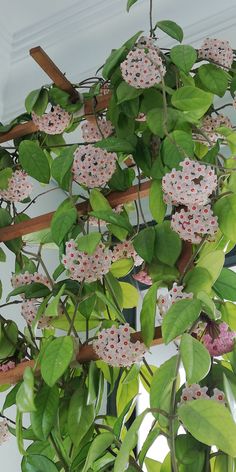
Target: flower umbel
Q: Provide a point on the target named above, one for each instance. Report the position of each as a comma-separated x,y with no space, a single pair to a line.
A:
126,250
219,341
218,51
4,433
194,223
174,295
115,348
93,167
18,187
54,122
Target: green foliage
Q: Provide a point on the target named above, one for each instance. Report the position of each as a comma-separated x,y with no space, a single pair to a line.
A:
195,357
161,386
175,147
144,243
115,145
210,423
5,175
148,314
80,416
192,99
179,318
25,395
63,220
184,57
61,167
34,161
225,210
44,416
157,205
56,358
225,285
171,28
168,244
214,79
8,339
89,242
97,449
37,463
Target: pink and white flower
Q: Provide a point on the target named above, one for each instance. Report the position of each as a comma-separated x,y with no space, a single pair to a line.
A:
218,396
53,122
18,187
93,167
218,51
192,185
4,432
115,347
92,131
174,295
219,341
143,277
195,223
88,267
143,66
195,392
126,250
209,128
7,366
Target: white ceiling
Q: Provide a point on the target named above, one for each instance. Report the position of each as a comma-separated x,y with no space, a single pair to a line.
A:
79,35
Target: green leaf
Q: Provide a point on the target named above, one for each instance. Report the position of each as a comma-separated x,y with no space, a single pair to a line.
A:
152,465
195,357
56,358
213,262
99,445
148,314
62,223
184,57
228,313
175,147
34,161
25,395
230,395
180,317
89,242
125,393
197,280
125,92
161,385
210,423
188,449
8,338
41,103
5,175
171,28
112,61
98,201
168,244
130,295
151,437
62,164
190,99
113,218
31,99
122,267
214,79
114,144
225,210
110,305
225,285
80,416
122,179
128,443
53,307
159,124
44,416
37,463
157,205
130,3
5,218
144,243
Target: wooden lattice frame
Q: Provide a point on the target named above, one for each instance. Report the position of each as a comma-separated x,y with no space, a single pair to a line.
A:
86,352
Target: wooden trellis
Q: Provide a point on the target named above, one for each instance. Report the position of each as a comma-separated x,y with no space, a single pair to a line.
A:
86,352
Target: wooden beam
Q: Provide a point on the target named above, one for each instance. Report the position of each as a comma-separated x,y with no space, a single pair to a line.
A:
50,68
85,354
43,221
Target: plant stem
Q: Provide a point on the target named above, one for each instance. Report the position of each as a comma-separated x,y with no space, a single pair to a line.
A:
172,417
150,18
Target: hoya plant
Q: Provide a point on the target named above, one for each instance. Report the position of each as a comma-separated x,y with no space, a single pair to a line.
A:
161,133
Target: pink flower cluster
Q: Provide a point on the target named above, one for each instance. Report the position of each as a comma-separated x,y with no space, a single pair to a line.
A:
82,266
174,295
7,366
195,392
30,307
142,117
115,348
126,250
54,122
18,188
91,131
4,432
222,343
143,277
209,128
143,66
192,185
218,51
194,223
93,167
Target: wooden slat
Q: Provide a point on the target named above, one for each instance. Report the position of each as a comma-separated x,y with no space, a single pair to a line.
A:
50,68
18,131
86,354
43,221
